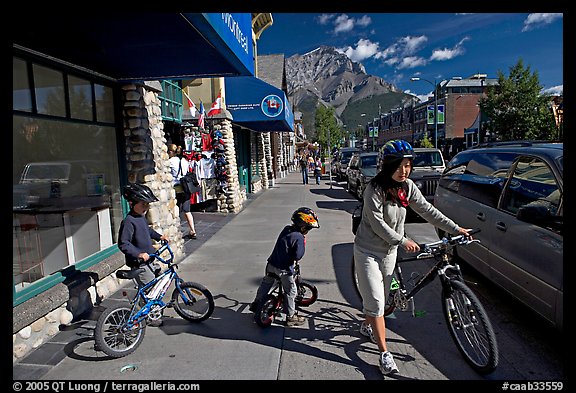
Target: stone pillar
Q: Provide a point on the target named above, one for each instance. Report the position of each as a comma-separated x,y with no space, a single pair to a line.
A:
147,159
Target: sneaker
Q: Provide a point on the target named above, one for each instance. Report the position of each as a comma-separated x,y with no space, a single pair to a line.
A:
387,363
295,320
366,330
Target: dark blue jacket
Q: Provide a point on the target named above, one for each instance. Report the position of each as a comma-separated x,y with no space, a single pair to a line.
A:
135,237
289,248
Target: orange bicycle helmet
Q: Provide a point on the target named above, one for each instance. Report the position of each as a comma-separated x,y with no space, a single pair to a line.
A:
306,218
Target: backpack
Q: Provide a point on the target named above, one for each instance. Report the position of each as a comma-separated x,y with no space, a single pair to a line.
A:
189,183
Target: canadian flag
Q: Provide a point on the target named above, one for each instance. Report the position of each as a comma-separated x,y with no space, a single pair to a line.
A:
216,106
190,105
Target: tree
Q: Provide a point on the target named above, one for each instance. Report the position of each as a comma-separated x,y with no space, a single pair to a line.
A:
516,109
326,121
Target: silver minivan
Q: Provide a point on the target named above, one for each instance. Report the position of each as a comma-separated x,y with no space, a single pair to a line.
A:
512,192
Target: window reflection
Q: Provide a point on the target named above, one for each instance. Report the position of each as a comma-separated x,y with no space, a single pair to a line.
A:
80,92
49,91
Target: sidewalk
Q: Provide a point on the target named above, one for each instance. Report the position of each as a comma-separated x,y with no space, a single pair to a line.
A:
229,258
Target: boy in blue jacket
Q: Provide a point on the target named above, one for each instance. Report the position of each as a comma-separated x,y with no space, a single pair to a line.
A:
289,248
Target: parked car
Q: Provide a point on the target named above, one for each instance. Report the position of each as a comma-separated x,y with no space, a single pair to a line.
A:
512,192
361,169
427,167
341,163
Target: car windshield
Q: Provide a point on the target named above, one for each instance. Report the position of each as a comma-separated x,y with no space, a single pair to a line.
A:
346,156
428,158
369,161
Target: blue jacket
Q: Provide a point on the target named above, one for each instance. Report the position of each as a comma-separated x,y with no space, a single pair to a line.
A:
288,249
135,237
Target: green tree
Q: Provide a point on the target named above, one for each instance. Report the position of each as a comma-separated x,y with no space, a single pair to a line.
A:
326,121
516,109
426,142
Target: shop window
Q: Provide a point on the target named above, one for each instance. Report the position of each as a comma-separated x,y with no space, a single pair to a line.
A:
49,91
171,101
80,91
21,95
66,200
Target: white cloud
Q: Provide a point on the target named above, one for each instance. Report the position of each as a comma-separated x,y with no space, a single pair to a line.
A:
364,21
449,53
324,19
554,90
411,62
534,21
343,23
364,50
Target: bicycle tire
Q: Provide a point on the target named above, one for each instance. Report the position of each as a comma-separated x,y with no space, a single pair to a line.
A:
111,339
264,315
307,294
471,330
200,304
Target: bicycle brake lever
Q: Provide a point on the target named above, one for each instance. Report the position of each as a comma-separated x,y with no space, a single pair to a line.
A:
424,255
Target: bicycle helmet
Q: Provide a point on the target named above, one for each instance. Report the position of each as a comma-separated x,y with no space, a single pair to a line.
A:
306,218
396,149
134,192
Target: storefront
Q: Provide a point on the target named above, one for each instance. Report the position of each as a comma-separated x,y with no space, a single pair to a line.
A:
87,119
258,109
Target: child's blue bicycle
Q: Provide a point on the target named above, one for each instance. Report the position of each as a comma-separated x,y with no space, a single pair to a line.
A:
120,329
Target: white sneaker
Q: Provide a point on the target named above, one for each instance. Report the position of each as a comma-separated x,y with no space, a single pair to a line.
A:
366,330
387,363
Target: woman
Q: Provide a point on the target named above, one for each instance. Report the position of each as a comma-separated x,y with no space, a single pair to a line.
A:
179,167
380,233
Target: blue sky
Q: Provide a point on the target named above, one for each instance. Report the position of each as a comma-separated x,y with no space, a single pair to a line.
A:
433,46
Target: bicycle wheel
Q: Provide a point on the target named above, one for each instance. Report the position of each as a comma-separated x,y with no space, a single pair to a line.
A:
112,336
193,302
307,294
355,277
470,327
264,315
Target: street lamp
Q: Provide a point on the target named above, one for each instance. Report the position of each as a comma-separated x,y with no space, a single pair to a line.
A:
416,79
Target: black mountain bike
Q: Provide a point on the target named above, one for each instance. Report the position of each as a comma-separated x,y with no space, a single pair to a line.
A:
120,329
467,321
271,306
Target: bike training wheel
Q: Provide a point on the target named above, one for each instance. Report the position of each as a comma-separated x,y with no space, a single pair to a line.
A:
195,303
307,294
471,329
264,315
109,334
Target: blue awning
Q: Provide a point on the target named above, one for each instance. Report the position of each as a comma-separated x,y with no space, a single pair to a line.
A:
133,46
257,105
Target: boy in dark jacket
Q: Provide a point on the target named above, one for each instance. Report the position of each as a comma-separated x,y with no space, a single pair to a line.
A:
289,248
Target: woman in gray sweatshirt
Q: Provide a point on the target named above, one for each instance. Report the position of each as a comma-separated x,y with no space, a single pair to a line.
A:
381,231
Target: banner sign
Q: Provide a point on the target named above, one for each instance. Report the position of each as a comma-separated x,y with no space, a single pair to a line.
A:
440,114
430,114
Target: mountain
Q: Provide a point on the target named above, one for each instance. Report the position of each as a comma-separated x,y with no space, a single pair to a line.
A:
327,77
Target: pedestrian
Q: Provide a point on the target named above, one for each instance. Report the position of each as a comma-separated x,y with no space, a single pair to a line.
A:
318,169
289,248
135,235
304,168
179,166
381,231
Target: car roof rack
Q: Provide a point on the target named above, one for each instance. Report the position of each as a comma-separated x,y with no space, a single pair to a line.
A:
510,143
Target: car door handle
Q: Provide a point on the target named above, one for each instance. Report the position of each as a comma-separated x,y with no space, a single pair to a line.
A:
481,217
501,226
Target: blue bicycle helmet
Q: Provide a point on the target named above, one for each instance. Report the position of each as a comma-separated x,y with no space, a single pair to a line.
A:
396,149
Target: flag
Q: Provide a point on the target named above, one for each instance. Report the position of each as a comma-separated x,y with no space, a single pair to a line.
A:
216,106
201,116
190,104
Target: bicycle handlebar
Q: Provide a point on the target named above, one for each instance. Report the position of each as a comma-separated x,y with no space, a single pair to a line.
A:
156,255
430,248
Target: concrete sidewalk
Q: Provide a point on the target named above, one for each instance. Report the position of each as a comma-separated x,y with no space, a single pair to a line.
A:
230,346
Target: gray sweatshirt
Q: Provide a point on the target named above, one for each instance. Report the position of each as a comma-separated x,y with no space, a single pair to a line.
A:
382,225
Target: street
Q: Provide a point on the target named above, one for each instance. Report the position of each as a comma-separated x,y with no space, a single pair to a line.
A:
230,346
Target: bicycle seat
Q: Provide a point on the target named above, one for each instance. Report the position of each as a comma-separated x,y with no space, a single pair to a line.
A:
129,274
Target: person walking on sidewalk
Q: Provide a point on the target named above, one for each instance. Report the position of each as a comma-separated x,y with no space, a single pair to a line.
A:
289,248
135,235
304,168
381,231
179,166
318,169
